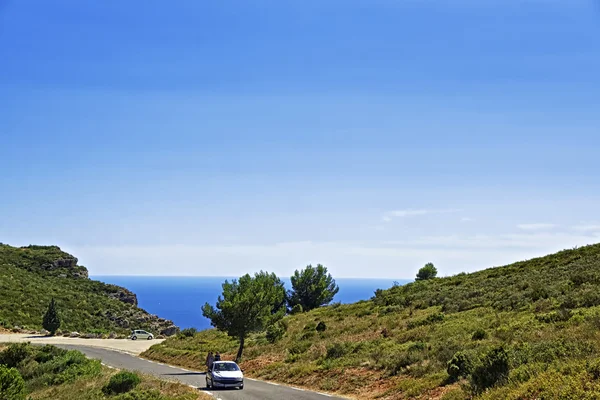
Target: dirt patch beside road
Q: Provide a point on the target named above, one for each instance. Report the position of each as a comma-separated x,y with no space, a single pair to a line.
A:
134,347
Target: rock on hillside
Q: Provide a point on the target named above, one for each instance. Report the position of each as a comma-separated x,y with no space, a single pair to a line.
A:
47,271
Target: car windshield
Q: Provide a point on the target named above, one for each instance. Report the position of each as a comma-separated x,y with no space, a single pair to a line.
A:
226,367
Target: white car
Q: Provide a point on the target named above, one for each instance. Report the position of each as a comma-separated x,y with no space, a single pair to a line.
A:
140,334
225,374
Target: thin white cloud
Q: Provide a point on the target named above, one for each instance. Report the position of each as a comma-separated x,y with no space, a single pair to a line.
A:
466,219
536,227
387,217
587,228
362,259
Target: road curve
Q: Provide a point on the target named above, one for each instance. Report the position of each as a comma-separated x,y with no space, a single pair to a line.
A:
253,389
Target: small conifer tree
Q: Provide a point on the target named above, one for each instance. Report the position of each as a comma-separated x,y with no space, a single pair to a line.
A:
51,321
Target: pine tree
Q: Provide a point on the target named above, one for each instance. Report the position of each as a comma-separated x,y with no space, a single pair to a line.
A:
51,320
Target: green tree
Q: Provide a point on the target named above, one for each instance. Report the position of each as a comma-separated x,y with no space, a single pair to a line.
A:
312,288
429,271
248,304
51,321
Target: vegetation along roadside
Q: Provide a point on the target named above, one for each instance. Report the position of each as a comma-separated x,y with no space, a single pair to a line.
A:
49,373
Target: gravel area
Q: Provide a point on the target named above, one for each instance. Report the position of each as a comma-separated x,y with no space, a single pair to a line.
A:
133,347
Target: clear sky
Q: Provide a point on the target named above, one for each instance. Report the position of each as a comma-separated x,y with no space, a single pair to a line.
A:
373,136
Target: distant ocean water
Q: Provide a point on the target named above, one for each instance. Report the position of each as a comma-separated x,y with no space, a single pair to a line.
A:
180,298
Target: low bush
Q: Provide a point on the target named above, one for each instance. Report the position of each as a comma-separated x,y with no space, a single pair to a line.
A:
14,354
299,347
188,332
274,333
121,382
431,319
459,366
561,315
492,371
12,385
337,350
321,327
593,368
479,334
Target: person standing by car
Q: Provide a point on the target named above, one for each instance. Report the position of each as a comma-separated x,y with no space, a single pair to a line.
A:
209,360
217,356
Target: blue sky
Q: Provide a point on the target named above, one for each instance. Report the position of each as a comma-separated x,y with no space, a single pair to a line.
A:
219,138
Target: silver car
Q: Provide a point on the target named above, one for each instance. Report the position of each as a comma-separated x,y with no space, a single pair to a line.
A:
225,374
140,334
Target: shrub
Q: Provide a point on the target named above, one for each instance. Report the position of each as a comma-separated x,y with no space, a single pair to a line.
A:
431,319
14,354
274,333
337,350
321,327
48,353
593,368
12,385
561,315
299,347
297,309
188,332
479,334
121,382
493,370
459,366
395,363
311,326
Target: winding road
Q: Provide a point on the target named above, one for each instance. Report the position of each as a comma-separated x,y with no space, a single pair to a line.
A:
253,389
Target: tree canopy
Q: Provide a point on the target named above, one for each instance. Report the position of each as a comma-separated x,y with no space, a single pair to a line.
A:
248,304
51,321
312,287
429,271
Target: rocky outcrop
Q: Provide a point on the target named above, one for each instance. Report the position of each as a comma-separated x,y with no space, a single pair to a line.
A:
66,267
140,319
170,331
124,295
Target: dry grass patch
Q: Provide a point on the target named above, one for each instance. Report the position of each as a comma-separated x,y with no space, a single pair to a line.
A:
91,389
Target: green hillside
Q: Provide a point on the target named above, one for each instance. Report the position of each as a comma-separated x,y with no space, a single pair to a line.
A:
530,330
31,276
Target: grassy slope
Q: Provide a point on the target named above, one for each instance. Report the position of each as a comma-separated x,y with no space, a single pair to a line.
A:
83,379
546,312
26,287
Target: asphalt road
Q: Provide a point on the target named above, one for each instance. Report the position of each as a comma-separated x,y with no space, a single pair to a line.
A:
253,389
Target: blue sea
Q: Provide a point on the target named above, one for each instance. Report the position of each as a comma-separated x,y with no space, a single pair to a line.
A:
180,298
